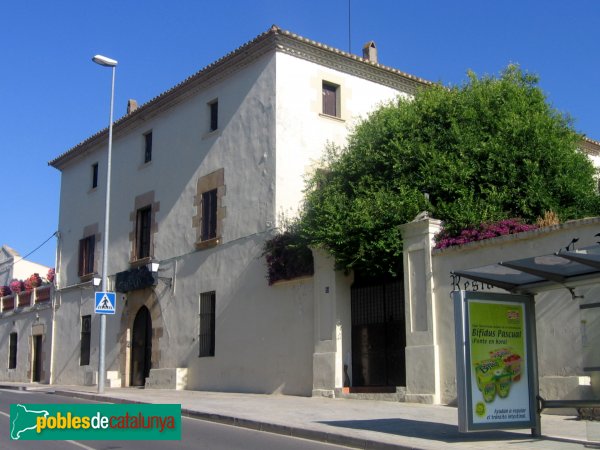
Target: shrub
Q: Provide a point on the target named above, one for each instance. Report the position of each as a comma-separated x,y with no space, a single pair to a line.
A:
4,291
287,254
550,218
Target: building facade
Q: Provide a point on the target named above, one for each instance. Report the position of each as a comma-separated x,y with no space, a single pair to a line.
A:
201,177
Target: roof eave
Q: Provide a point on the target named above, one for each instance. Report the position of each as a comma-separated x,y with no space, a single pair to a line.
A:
274,39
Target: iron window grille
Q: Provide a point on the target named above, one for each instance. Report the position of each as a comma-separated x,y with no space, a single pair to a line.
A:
94,175
12,352
209,215
143,228
206,336
86,335
214,115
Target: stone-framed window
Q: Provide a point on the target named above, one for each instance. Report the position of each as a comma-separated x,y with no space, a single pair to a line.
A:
210,211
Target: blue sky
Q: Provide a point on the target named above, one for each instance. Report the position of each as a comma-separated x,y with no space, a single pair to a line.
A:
52,96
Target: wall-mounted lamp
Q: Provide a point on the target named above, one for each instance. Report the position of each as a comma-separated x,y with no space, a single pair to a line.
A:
153,267
96,281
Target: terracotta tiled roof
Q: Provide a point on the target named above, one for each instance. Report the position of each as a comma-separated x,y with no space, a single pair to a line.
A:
591,141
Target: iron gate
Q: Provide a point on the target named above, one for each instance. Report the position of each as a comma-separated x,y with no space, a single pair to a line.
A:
378,334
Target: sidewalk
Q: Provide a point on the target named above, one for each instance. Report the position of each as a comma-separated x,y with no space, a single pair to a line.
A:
356,423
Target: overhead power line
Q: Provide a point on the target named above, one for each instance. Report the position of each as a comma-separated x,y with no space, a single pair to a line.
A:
35,249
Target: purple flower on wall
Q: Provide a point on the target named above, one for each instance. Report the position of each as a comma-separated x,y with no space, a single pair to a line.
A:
483,231
16,286
51,275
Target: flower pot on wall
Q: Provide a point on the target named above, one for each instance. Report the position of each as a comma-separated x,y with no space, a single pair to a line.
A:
8,303
42,294
24,299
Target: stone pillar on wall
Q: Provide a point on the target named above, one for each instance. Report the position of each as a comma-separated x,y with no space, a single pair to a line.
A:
333,326
422,352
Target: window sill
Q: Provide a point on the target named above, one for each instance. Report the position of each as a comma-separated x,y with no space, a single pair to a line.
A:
87,277
140,262
212,134
209,243
336,118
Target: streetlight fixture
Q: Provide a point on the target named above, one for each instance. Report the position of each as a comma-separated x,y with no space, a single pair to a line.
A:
106,62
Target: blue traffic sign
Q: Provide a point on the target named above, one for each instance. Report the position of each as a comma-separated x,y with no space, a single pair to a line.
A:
105,302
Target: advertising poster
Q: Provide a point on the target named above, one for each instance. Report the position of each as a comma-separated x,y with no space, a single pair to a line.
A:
497,385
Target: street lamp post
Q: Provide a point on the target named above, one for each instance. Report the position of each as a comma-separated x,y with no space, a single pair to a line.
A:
106,62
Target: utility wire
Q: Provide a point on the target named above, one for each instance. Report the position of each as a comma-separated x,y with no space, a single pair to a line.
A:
349,29
35,249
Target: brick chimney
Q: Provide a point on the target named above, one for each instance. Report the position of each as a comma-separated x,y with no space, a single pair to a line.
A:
370,51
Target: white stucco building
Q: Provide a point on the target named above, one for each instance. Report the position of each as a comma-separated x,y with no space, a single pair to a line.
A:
200,177
25,322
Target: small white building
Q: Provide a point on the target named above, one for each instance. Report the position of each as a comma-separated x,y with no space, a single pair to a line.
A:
13,266
25,322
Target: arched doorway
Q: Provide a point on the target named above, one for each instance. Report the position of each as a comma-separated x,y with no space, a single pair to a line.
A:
141,347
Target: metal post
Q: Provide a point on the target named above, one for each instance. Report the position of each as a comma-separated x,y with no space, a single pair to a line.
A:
536,431
101,357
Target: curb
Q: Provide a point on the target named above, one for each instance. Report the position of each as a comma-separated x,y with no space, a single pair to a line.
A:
257,425
14,387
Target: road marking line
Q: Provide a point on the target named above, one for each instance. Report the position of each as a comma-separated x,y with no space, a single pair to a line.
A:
80,445
4,414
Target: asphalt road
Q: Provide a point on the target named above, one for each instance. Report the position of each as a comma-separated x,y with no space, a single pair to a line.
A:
196,434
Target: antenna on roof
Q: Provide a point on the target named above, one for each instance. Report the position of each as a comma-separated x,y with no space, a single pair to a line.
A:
349,28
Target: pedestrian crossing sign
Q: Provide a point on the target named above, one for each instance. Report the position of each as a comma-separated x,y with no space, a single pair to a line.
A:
105,302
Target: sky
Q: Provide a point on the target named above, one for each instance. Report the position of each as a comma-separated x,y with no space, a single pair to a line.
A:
52,96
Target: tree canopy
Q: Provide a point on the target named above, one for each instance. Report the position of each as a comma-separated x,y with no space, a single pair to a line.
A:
490,149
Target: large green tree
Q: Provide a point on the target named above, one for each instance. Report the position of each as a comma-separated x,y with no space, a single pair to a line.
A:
490,149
